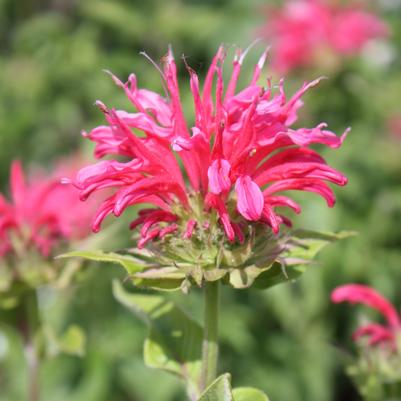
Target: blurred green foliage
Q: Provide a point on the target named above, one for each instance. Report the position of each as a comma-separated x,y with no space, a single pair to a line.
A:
288,341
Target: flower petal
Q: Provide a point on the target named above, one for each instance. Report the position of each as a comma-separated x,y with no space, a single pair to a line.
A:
17,183
250,199
376,332
362,294
218,174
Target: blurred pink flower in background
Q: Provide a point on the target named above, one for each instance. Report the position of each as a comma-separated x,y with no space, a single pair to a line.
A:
394,126
301,31
239,154
43,211
377,333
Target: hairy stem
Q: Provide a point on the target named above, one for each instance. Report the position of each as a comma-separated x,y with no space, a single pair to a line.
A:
210,348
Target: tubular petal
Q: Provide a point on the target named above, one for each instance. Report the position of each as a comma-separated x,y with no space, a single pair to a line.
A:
362,294
218,174
250,199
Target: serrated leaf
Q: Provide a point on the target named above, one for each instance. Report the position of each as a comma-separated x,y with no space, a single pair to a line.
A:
130,264
219,390
174,343
249,394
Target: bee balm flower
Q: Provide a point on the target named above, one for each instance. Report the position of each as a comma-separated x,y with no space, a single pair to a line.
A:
238,156
377,333
42,212
302,30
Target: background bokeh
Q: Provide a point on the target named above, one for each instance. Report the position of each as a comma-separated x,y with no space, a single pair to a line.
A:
288,341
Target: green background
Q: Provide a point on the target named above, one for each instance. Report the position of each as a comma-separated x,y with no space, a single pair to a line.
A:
289,341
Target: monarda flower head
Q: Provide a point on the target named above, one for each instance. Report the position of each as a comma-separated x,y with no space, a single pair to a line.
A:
239,155
42,218
42,211
306,32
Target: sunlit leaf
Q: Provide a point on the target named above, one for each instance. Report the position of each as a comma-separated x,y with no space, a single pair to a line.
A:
301,249
73,341
174,343
130,264
162,278
219,390
249,394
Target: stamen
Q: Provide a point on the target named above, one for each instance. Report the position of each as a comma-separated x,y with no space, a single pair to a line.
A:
243,55
160,72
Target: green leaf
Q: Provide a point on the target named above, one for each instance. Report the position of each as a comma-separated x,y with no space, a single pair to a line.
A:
219,390
244,278
174,342
73,341
277,274
249,394
305,244
8,302
161,278
141,270
214,274
6,277
301,248
130,264
238,256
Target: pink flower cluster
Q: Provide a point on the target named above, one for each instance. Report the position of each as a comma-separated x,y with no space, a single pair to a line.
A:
302,29
42,210
238,156
377,333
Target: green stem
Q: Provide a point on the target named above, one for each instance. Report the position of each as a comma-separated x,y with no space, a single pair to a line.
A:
210,348
31,351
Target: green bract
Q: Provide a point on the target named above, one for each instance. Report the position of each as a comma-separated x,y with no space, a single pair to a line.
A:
26,270
262,261
377,372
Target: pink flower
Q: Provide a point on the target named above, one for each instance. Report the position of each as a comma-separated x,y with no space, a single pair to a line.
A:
238,156
42,211
394,126
377,333
301,30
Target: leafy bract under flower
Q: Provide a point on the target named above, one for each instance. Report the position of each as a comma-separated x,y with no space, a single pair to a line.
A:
239,155
262,261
